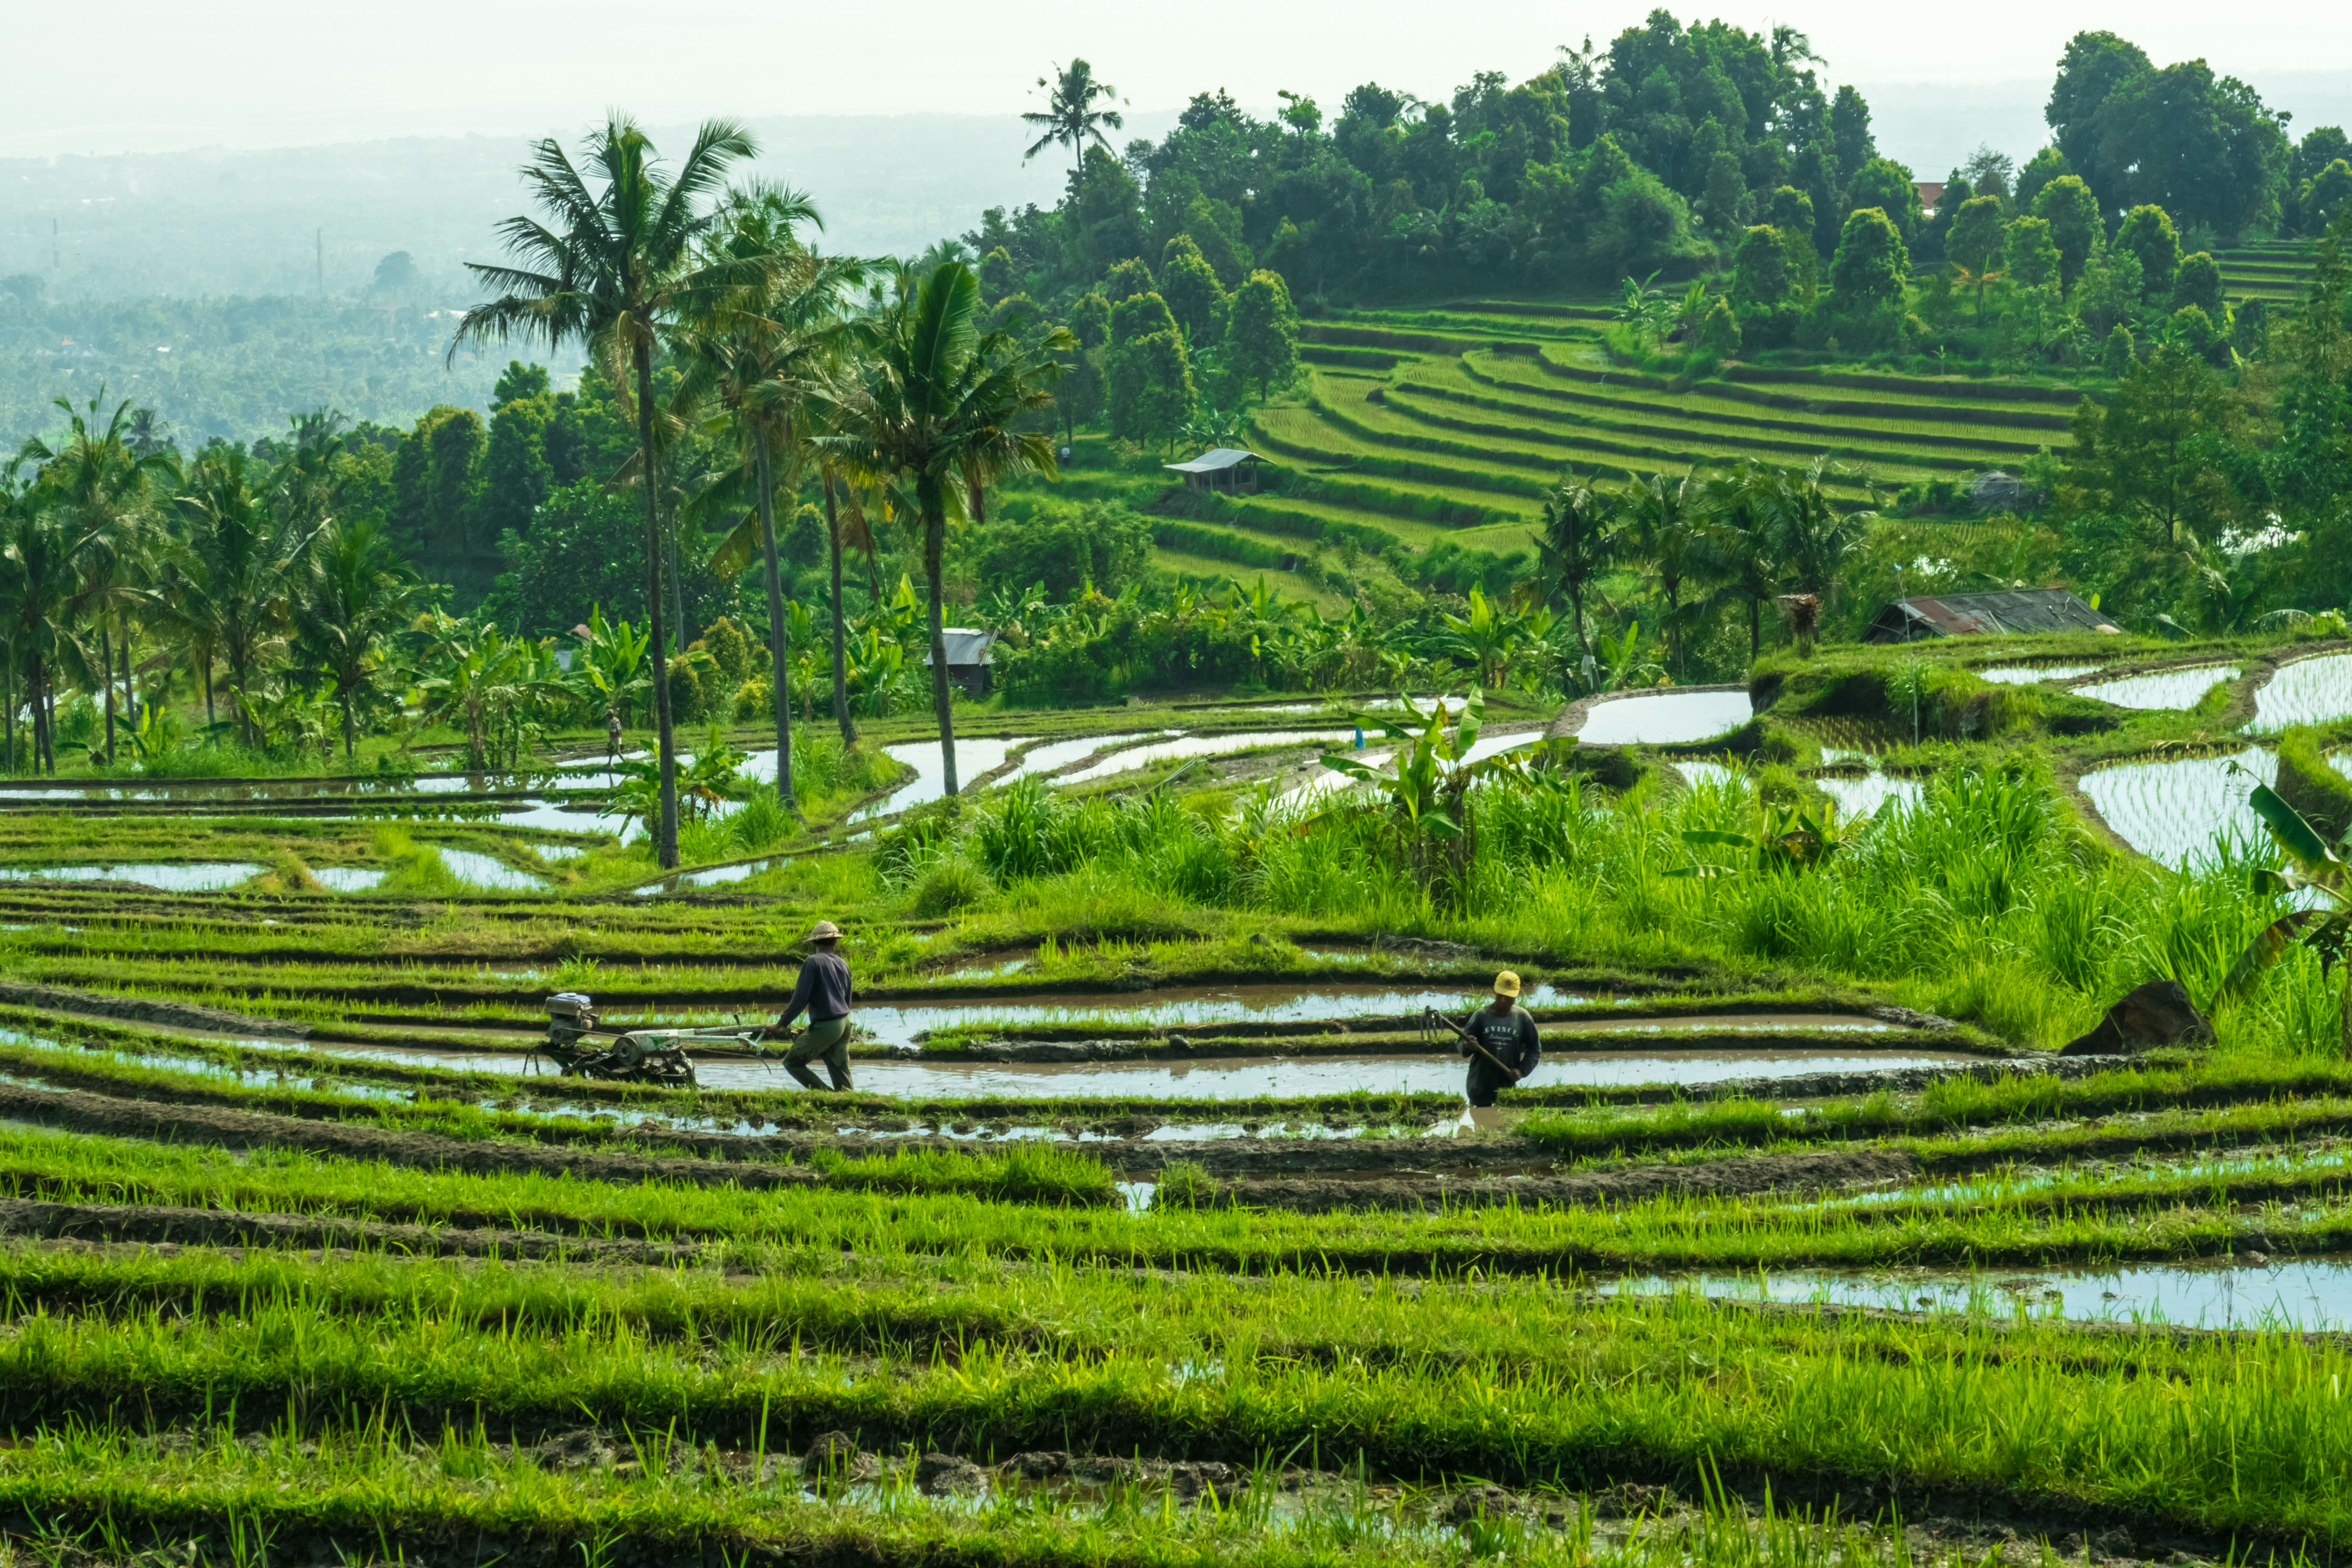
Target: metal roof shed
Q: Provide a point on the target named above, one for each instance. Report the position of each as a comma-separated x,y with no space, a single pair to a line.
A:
970,652
2011,611
1219,469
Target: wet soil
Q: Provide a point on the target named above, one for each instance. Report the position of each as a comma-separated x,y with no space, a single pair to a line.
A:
1615,1494
147,1010
83,1112
1431,1192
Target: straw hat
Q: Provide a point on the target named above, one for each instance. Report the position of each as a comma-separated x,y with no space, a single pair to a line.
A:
825,931
1506,983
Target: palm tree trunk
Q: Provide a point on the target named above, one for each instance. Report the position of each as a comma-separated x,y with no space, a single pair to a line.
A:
1755,631
1674,626
130,685
350,746
106,678
840,658
40,721
209,719
779,653
935,539
665,828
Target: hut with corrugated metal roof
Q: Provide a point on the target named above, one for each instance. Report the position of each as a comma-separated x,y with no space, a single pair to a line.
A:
1228,469
2014,612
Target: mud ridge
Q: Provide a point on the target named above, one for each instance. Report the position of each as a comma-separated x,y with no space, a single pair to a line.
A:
1712,1178
147,1010
84,1112
157,1225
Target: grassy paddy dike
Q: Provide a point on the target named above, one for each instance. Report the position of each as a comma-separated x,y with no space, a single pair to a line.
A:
1155,1229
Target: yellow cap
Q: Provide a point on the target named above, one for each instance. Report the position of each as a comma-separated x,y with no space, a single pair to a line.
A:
1506,983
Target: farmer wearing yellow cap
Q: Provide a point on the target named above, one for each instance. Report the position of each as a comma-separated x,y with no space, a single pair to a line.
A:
1504,1033
824,992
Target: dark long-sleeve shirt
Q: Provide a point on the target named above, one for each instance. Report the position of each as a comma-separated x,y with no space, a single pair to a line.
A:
823,990
1510,1038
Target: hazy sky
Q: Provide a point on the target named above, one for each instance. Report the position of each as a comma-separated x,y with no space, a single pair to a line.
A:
144,76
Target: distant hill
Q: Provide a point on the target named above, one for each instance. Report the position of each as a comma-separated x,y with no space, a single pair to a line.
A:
221,222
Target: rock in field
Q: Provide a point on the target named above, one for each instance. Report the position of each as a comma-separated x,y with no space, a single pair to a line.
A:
2157,1014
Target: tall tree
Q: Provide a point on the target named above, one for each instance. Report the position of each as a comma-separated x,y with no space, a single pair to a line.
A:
1737,548
758,363
358,592
1579,537
106,493
614,268
1070,117
1667,517
235,566
932,419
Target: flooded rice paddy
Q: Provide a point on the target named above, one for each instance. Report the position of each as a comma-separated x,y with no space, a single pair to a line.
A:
2170,812
1228,1078
2308,691
1189,746
208,877
2305,1294
1674,718
2032,674
2166,688
484,872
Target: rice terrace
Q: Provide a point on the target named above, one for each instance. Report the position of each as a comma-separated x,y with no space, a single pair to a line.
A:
1559,825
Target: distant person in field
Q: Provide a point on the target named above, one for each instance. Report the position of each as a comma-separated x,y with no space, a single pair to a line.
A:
1506,1031
824,994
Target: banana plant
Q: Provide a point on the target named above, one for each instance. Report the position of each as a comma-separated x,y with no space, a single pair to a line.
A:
609,665
2316,867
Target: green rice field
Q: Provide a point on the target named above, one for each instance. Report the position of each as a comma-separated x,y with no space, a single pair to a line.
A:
1154,1226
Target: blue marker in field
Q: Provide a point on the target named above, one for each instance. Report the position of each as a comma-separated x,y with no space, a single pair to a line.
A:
1360,737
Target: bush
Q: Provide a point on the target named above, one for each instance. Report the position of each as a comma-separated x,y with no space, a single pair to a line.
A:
684,691
947,883
755,699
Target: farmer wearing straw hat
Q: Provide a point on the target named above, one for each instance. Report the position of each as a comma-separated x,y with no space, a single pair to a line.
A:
1500,1041
824,993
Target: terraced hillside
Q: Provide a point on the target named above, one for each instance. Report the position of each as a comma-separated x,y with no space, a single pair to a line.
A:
2275,272
1154,1231
1455,419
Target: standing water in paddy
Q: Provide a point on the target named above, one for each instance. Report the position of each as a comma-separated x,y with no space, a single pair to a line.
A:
974,758
2166,688
2308,691
2312,1295
2170,812
1667,718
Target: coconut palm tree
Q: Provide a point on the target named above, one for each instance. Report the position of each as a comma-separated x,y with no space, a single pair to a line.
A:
1581,537
1666,521
1070,117
41,582
931,421
107,493
614,270
1738,548
757,364
1813,536
358,596
233,571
